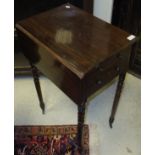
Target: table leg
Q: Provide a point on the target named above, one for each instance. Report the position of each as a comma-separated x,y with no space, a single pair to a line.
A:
37,86
81,117
117,97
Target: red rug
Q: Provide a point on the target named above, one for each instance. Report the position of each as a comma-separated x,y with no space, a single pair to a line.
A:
49,140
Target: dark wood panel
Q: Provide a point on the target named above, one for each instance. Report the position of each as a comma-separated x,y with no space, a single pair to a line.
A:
26,8
127,16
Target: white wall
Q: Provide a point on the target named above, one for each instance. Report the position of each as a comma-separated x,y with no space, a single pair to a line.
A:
103,9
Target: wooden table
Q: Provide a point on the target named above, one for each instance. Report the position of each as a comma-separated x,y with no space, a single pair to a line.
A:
78,52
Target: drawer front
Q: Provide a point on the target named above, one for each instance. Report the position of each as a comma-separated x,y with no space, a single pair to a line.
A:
106,71
100,77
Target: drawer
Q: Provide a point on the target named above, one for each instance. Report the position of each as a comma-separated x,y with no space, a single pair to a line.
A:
105,72
100,77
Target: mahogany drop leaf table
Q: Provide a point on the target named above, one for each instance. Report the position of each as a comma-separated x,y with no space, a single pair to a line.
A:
78,52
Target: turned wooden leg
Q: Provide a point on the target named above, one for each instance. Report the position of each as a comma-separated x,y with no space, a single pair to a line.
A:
37,86
117,97
81,117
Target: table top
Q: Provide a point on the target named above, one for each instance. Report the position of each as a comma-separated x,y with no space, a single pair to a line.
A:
75,38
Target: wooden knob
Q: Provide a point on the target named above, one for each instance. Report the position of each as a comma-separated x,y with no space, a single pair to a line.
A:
101,69
118,69
99,82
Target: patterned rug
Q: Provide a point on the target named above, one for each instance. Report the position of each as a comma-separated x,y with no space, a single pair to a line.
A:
49,140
